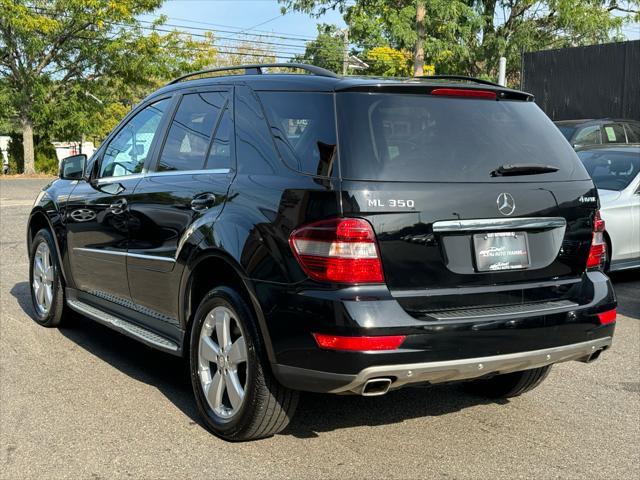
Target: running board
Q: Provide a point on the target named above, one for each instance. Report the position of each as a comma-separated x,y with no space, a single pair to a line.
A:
123,326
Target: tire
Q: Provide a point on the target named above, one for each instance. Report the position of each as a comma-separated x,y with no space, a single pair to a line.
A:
265,407
45,281
510,384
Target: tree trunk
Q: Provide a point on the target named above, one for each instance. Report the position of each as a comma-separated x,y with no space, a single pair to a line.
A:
418,53
27,145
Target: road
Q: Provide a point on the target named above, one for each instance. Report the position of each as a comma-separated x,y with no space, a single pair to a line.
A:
84,402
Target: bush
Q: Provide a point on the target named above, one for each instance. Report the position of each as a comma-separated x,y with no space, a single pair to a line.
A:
46,160
44,163
16,159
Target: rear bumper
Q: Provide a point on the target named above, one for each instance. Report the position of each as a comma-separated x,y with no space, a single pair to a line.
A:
440,348
440,372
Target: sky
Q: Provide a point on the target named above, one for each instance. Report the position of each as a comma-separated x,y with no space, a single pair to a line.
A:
256,16
261,16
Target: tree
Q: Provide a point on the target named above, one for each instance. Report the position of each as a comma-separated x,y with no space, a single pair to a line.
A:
52,52
388,62
326,51
469,36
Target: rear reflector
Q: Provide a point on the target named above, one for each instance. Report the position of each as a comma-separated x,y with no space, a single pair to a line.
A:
338,250
598,251
607,317
464,92
332,342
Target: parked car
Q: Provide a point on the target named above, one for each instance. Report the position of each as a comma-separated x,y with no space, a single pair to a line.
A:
330,234
616,172
582,133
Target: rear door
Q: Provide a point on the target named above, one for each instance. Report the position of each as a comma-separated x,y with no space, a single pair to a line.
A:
422,169
187,186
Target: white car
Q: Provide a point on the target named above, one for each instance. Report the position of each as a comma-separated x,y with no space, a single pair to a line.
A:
615,170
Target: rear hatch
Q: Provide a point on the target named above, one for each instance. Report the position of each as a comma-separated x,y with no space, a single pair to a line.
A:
455,230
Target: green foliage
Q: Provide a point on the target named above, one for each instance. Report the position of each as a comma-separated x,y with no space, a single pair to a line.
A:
57,56
14,151
468,36
46,164
388,62
46,160
326,51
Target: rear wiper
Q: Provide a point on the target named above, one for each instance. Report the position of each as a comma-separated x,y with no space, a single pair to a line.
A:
522,169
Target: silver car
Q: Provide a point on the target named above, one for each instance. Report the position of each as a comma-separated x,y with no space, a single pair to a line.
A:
616,172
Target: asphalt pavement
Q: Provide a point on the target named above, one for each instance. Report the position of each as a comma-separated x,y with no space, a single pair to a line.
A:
85,402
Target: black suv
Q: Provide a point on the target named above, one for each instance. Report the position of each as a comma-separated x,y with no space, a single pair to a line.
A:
290,232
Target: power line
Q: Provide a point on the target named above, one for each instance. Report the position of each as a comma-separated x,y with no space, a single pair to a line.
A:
274,34
262,51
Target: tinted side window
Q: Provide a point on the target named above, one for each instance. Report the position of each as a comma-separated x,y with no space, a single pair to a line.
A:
633,132
588,136
190,133
256,153
221,151
614,133
303,125
127,151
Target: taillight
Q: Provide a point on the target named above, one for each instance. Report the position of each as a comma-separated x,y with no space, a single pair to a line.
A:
607,317
362,344
340,250
464,92
598,251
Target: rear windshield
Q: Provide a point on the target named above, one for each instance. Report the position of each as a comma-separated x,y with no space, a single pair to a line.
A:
611,170
398,137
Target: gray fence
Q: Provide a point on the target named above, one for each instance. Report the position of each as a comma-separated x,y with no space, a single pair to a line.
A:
585,82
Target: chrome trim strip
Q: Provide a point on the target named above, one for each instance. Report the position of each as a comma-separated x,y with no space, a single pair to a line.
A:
105,180
139,333
498,224
187,172
466,369
97,250
125,254
117,179
151,257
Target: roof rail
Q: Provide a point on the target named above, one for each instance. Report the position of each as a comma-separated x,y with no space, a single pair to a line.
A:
256,69
461,77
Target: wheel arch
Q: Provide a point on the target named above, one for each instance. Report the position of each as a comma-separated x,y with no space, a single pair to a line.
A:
197,281
38,219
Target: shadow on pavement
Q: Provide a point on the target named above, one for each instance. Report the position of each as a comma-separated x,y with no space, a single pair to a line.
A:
316,412
627,287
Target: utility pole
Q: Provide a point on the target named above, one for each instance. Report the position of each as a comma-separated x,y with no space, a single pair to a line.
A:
418,54
345,53
502,71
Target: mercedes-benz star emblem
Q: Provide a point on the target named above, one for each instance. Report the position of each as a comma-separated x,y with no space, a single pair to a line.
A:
506,204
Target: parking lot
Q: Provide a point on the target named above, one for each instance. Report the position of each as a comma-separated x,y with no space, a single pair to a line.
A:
85,402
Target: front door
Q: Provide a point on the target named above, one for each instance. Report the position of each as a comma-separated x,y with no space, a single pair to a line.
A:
97,213
185,191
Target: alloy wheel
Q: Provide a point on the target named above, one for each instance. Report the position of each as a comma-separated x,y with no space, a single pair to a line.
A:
43,276
222,362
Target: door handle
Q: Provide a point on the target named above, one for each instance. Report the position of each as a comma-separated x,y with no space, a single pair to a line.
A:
118,206
203,201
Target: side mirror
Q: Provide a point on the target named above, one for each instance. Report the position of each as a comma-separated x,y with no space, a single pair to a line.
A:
72,168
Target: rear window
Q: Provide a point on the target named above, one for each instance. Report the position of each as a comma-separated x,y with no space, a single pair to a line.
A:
611,170
303,126
397,137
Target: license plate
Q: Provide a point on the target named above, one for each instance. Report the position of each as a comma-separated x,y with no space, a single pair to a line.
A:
501,251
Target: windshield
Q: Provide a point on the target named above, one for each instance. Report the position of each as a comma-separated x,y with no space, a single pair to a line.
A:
566,131
611,170
422,138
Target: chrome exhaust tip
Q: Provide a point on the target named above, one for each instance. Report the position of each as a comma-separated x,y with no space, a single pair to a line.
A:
376,387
